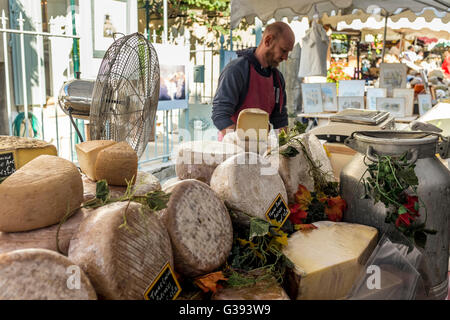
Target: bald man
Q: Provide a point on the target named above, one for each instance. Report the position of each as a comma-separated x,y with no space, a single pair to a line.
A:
253,80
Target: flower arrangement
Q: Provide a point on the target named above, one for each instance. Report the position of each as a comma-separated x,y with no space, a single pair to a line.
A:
336,72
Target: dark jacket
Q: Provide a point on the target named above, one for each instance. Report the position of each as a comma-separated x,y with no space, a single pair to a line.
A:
233,87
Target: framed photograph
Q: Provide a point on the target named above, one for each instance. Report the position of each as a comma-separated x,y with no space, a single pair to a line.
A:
312,97
372,95
108,17
395,106
350,103
408,94
424,103
329,99
392,75
173,66
351,88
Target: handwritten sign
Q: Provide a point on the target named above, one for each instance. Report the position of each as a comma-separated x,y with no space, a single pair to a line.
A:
165,286
7,163
278,210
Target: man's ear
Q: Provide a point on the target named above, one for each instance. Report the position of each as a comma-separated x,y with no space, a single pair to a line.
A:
268,40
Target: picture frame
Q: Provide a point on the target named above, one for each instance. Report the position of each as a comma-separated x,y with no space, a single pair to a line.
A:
425,103
312,97
408,94
392,75
351,88
329,96
372,95
395,106
356,102
108,17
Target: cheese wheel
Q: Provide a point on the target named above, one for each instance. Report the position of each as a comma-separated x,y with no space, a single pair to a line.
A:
39,274
87,153
248,183
253,124
18,151
39,194
329,259
121,261
199,226
44,238
198,159
117,164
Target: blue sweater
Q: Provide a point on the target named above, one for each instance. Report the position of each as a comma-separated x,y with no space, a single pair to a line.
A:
233,87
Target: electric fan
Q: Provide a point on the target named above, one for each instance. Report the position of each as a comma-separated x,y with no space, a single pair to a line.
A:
121,104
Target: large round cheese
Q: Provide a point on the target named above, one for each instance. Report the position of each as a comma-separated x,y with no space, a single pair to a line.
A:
121,261
44,238
248,183
39,194
199,226
39,274
198,159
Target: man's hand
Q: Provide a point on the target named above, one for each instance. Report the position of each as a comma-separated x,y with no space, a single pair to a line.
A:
228,130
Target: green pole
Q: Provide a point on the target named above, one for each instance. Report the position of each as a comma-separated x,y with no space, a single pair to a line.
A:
76,58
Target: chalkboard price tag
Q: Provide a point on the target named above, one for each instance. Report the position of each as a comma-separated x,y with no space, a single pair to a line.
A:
7,163
278,211
165,286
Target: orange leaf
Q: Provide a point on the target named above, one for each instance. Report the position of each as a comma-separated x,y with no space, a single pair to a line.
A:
305,227
335,208
303,197
209,282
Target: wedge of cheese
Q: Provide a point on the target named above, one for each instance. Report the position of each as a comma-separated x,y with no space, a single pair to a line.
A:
117,164
23,150
329,259
39,194
87,153
253,124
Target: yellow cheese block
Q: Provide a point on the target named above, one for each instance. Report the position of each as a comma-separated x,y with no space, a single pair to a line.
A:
117,164
253,124
87,153
329,259
22,150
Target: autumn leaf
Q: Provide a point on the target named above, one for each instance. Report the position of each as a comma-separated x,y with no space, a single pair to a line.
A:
303,197
209,282
335,208
305,227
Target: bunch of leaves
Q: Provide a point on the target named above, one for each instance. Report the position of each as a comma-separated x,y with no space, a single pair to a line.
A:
259,249
153,201
392,181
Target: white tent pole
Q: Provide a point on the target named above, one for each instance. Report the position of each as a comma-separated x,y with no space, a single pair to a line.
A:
165,32
384,37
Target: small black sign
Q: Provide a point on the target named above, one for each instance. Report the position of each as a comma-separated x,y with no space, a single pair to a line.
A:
165,286
7,164
278,211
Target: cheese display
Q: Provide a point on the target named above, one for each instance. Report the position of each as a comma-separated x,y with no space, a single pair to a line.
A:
199,226
247,182
253,124
329,259
117,164
198,159
21,151
122,247
39,274
39,194
297,170
87,153
44,238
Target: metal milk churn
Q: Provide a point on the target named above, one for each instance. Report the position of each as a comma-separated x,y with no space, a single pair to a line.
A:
433,189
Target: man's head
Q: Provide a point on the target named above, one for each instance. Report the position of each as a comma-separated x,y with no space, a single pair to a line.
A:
278,40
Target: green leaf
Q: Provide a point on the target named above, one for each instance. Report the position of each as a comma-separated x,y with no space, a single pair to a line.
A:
282,138
290,152
402,210
102,190
258,228
157,200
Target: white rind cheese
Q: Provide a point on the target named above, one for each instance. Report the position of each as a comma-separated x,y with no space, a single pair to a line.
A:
198,159
247,182
329,259
39,194
199,226
121,261
39,274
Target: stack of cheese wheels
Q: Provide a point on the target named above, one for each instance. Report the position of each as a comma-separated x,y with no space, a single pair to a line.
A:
248,183
329,259
297,170
39,194
39,274
116,162
199,226
44,238
198,159
122,247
